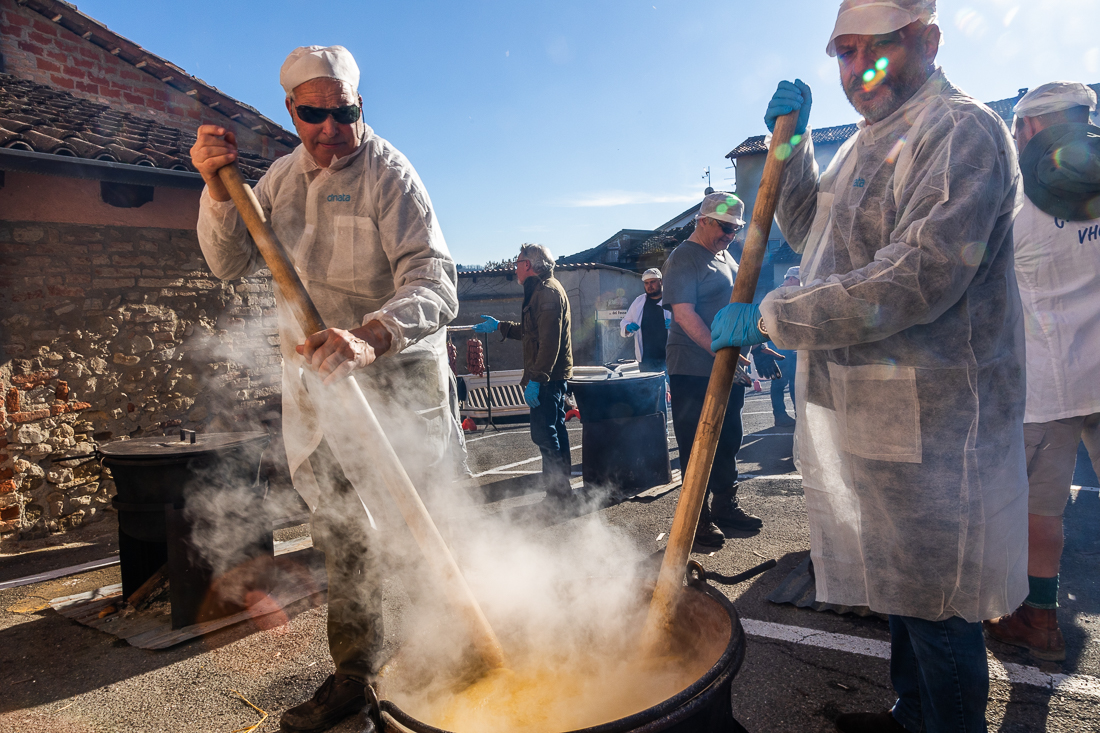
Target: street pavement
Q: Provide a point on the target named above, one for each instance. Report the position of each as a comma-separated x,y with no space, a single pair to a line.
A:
802,668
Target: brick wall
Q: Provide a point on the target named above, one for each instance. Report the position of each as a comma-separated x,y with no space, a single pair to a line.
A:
35,48
117,331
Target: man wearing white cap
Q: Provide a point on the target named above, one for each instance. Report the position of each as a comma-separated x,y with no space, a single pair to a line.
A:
360,229
698,281
648,320
1059,277
910,343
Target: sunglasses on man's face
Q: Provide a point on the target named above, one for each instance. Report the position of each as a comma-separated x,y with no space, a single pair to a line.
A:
316,115
728,228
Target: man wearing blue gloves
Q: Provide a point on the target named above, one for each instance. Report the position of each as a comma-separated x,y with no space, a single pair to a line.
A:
547,362
911,363
648,321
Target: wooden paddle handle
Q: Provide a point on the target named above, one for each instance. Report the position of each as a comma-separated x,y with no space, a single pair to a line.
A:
282,269
670,582
361,417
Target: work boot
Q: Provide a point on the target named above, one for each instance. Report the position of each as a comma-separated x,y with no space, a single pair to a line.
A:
1034,629
725,511
337,698
707,534
783,420
869,723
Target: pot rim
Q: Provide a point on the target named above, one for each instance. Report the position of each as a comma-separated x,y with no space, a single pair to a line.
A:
722,671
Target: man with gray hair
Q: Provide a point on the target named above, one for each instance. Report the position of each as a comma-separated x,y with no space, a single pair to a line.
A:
361,232
547,362
1059,276
910,346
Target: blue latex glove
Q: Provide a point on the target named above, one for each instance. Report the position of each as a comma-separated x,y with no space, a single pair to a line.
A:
735,325
531,394
788,98
631,328
668,323
489,325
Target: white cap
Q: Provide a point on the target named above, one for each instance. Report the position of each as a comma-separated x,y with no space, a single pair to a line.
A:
792,272
312,62
876,17
652,274
723,206
1054,97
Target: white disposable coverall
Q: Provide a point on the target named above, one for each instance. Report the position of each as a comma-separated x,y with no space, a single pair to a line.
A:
363,236
634,315
910,364
1058,271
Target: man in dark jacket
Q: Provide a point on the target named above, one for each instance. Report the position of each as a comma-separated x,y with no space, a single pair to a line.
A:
547,361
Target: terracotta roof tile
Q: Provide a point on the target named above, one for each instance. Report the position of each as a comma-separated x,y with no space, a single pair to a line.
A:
42,119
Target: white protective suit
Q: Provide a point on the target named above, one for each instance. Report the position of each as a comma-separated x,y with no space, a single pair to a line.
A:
910,363
634,315
363,236
1059,276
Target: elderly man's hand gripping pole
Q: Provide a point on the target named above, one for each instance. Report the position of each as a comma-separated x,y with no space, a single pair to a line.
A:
335,353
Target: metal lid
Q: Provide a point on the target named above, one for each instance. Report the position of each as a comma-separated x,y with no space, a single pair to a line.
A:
186,443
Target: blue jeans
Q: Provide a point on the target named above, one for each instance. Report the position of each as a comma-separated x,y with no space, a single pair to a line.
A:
549,434
784,383
940,673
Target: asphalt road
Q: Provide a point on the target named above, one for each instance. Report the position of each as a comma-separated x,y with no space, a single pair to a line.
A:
802,667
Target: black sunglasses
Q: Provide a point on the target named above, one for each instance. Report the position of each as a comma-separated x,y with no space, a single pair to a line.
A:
316,115
728,228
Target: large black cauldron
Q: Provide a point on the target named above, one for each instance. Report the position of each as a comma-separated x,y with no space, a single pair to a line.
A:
709,623
163,485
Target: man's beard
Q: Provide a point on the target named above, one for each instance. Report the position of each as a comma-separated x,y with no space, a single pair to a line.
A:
654,296
901,88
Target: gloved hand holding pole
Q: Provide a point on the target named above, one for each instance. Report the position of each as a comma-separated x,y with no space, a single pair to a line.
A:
384,459
670,582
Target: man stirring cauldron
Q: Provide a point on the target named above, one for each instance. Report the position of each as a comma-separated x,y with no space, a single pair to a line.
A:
910,347
361,232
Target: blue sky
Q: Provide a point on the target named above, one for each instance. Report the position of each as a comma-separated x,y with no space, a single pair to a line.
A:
563,122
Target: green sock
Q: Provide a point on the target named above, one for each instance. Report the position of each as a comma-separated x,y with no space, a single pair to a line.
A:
1042,592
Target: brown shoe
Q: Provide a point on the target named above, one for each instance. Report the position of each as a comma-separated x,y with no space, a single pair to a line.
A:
1034,629
337,698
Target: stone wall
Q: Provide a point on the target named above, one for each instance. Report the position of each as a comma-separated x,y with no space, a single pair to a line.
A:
109,332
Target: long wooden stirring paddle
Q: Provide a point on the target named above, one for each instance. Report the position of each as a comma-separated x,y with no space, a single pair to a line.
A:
670,582
361,417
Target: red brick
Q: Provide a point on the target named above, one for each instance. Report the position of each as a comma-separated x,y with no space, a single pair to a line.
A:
16,19
30,48
83,63
11,400
40,39
10,514
74,72
27,381
63,292
29,416
7,487
61,58
112,93
77,406
6,473
88,88
63,81
58,409
45,65
133,98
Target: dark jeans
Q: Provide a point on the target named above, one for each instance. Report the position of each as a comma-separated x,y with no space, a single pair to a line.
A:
687,407
549,434
940,673
780,386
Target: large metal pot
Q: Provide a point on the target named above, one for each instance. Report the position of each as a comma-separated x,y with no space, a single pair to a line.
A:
708,620
618,395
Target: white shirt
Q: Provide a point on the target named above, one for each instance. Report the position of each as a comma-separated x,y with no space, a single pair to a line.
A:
1058,270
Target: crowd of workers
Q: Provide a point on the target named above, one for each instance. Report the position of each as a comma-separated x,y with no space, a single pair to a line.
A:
935,473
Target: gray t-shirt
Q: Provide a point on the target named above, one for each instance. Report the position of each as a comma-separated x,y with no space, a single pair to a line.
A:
693,274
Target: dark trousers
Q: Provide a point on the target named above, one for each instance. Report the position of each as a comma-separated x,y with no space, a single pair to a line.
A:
340,529
549,434
940,673
782,385
688,393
